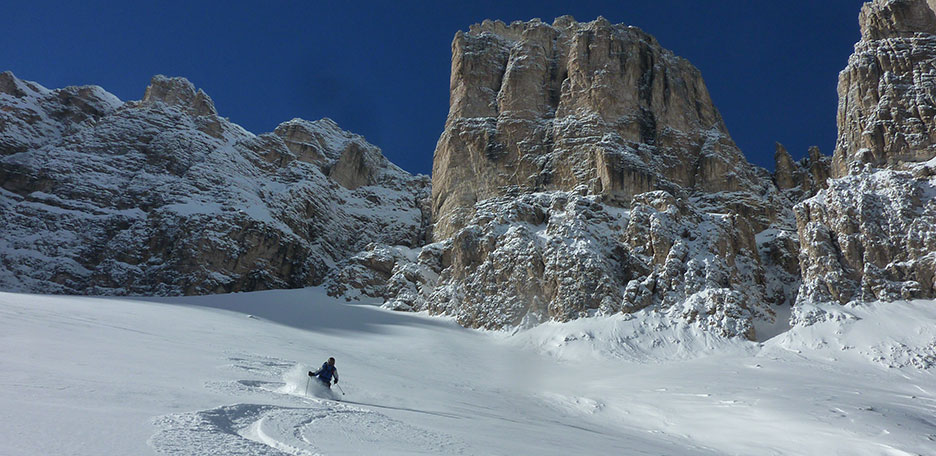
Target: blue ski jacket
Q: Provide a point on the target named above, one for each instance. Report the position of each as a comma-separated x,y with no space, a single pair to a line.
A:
326,372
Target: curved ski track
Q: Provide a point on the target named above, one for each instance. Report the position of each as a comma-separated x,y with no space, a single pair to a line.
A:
290,423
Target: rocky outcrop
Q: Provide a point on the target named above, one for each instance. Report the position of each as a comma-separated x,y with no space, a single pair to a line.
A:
319,142
533,257
897,19
163,196
180,93
32,116
802,179
345,157
584,170
872,234
887,93
542,107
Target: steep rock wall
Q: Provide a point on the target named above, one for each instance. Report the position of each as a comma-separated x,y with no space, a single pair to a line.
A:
584,170
551,107
872,234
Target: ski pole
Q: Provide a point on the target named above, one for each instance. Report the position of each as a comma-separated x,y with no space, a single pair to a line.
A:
307,385
339,389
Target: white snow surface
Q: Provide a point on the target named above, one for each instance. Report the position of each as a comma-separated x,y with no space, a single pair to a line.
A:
225,374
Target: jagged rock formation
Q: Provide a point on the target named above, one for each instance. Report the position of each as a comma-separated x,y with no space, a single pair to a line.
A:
345,157
887,93
801,179
551,107
532,257
870,237
178,92
584,169
872,234
163,196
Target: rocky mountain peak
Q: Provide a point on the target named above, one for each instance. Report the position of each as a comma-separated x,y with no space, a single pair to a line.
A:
897,18
887,93
33,116
9,84
871,235
585,170
784,168
178,91
535,107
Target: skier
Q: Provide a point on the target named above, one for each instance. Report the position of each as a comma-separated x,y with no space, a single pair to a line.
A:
326,373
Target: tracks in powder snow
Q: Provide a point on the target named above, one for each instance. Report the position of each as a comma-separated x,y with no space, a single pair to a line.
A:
286,422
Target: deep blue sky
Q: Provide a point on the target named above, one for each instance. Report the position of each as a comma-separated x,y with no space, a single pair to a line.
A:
381,69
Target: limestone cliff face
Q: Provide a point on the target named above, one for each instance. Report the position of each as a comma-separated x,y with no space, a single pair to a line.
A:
887,93
162,196
584,170
542,107
872,234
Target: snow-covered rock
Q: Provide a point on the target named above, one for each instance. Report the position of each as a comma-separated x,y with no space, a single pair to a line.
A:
871,235
584,170
163,196
535,257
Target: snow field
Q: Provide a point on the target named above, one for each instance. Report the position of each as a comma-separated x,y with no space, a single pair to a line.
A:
226,374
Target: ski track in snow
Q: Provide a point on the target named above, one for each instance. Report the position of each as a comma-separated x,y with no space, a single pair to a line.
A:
313,425
226,374
313,429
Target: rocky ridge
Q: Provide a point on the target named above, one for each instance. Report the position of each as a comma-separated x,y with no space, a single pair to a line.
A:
162,196
887,112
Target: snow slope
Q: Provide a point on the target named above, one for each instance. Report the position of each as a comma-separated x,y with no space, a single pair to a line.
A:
223,374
